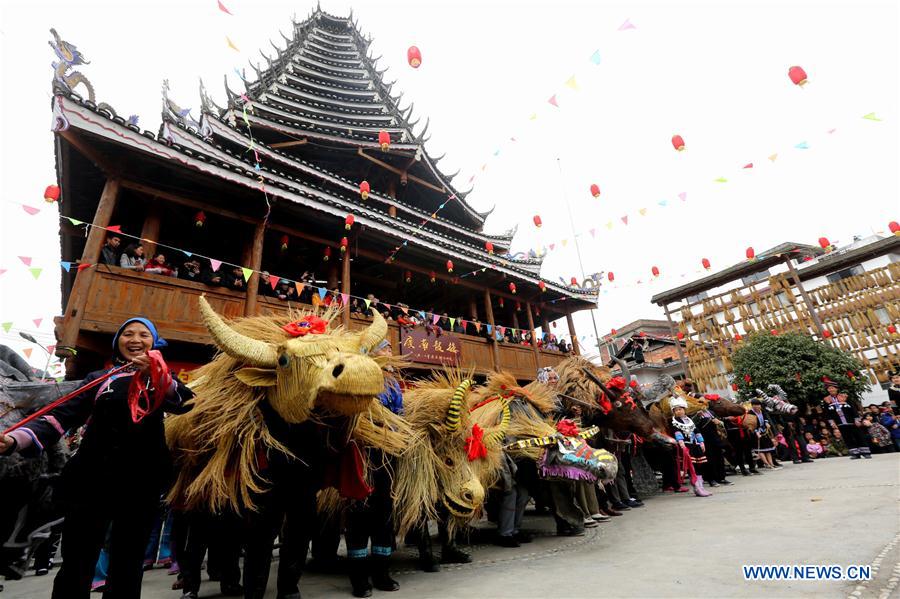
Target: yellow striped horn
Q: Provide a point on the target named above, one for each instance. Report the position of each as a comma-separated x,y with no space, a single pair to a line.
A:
452,420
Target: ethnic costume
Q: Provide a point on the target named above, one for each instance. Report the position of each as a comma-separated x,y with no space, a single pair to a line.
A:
763,437
372,517
846,418
714,469
689,455
116,477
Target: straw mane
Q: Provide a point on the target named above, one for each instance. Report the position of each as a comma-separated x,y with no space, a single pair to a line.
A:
216,445
574,383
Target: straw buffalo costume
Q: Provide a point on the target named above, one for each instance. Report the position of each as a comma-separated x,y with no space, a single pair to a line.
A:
123,445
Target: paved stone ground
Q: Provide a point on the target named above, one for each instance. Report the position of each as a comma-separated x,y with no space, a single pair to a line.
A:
836,511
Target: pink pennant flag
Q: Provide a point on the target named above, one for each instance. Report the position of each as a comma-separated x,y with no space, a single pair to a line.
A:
435,318
26,260
682,196
552,246
50,348
552,100
345,299
593,232
472,178
625,219
462,323
215,264
30,209
830,131
37,322
748,165
626,25
223,9
2,270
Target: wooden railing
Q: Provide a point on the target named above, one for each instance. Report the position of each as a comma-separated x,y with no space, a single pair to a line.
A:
118,294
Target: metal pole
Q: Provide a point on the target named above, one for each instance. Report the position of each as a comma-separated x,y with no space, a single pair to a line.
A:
577,246
809,306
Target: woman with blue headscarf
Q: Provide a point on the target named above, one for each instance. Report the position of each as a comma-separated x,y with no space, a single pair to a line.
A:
121,468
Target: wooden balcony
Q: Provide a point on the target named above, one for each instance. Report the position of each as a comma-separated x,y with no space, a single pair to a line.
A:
117,294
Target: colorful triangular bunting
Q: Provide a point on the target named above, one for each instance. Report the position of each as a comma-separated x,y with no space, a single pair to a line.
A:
36,272
247,272
552,100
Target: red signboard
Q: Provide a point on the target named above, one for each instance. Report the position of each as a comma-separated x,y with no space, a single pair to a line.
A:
417,345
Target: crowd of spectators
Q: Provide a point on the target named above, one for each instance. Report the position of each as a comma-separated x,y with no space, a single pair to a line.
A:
879,425
132,257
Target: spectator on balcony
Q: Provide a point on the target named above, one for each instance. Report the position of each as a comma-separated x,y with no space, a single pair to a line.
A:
459,326
159,266
235,279
211,277
133,257
286,291
265,284
109,255
190,271
444,322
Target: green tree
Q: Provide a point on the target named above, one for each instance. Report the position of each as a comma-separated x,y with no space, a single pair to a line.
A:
798,363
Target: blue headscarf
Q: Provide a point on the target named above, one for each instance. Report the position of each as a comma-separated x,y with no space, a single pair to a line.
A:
158,342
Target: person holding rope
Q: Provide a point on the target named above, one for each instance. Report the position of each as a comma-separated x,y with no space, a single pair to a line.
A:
121,467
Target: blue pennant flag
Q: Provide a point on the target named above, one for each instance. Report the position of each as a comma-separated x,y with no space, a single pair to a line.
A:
488,328
188,254
595,57
322,292
802,146
66,265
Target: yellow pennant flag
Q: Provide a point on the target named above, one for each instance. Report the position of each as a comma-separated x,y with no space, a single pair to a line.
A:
643,211
231,44
565,242
773,157
609,224
533,116
247,272
572,83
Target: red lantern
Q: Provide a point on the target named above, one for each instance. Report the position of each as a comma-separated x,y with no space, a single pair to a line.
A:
414,57
738,337
678,143
655,271
199,219
364,190
542,286
518,306
824,243
595,190
826,333
680,335
384,139
797,75
573,282
348,222
894,227
537,221
512,288
344,243
613,332
449,265
611,277
432,276
734,387
285,240
750,253
408,276
774,332
489,247
326,254
705,263
891,329
501,302
51,194
747,379
642,334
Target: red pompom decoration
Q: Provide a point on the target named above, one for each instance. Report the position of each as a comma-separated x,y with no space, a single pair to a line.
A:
892,329
309,325
826,333
738,337
680,335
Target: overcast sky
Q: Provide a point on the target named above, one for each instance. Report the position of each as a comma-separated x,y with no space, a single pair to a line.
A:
714,72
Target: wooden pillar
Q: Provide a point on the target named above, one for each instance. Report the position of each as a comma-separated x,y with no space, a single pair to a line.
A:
255,262
150,229
576,349
345,287
489,314
809,306
473,309
537,353
515,319
332,275
71,322
674,334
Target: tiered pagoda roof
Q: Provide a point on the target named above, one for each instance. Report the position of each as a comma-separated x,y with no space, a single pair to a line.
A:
313,115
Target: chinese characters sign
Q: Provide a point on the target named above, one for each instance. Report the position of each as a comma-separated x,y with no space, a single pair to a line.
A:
418,346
